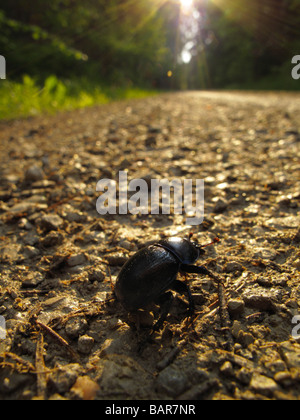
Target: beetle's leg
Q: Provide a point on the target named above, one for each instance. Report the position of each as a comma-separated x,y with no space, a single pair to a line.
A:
224,315
181,287
198,269
165,301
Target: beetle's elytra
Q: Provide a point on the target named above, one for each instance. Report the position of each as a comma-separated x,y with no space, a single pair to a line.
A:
151,274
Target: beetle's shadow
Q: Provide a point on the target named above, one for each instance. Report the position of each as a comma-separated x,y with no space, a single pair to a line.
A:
174,350
131,333
121,334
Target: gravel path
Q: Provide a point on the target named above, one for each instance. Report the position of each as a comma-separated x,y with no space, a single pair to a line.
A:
65,338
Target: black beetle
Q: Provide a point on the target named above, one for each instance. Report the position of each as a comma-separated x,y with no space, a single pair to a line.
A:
150,274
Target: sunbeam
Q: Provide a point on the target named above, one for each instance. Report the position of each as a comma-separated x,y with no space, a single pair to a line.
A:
187,6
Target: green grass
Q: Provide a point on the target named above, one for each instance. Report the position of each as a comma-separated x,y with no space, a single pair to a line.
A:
28,98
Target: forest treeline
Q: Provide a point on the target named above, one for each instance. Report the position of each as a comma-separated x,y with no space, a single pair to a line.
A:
232,43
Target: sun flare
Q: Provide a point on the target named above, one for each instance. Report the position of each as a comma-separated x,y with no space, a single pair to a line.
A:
186,5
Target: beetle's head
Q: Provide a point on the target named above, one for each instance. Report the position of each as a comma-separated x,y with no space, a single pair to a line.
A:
186,251
201,247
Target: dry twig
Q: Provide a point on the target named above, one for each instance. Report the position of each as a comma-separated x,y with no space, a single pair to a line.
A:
58,338
42,376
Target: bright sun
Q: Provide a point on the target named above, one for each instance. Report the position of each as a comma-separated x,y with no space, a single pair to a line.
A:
186,5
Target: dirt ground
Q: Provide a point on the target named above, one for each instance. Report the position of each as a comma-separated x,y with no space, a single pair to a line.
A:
65,337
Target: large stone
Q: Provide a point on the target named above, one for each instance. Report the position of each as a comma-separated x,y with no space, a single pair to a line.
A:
263,385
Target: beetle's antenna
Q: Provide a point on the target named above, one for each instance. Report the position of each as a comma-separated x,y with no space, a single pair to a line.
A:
216,240
191,234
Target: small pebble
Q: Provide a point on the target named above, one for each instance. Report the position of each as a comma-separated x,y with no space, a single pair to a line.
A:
259,301
75,327
96,275
245,339
23,207
10,253
85,344
34,173
150,141
24,224
220,205
233,266
52,239
265,254
296,264
227,369
284,378
171,381
244,376
33,279
12,380
51,222
154,129
76,259
116,260
236,307
85,388
236,328
63,378
291,354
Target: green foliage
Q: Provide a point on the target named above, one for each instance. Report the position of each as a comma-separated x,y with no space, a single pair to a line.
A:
31,49
27,98
115,41
247,44
76,53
